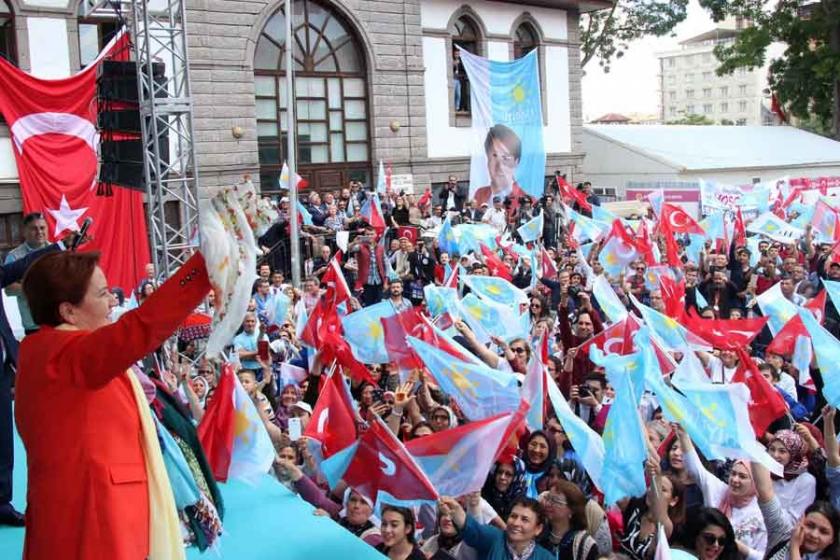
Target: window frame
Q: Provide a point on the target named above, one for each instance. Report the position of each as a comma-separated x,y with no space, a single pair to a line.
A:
306,65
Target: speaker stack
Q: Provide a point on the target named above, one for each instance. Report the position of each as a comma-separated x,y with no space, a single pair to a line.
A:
121,141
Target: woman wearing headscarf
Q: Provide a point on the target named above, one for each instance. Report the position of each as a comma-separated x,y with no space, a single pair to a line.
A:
538,454
289,396
355,513
796,489
505,483
736,499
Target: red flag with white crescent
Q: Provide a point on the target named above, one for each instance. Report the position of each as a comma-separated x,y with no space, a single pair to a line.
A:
55,141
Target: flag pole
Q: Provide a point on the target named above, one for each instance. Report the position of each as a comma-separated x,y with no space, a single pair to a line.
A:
291,157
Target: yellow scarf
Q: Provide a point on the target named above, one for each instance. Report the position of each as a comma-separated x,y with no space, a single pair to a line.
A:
165,541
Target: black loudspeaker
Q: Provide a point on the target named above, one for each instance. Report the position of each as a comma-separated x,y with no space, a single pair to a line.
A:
119,122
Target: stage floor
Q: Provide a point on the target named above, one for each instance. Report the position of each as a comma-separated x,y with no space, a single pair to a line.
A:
265,521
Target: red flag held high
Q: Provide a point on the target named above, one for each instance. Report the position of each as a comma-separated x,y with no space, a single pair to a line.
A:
766,404
333,422
784,342
725,333
53,130
496,266
382,464
678,220
215,432
569,193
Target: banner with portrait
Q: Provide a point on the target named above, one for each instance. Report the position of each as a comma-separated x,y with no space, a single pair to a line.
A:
508,153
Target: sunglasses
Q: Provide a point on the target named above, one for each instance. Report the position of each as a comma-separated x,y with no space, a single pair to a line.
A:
537,305
555,501
711,539
518,350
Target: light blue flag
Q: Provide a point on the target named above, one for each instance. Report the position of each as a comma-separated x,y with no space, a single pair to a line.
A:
532,229
470,236
447,240
586,249
656,199
533,393
363,331
492,318
535,267
277,308
713,225
608,300
480,391
833,289
585,227
438,298
625,443
654,273
700,299
758,197
585,441
601,214
727,427
305,215
666,330
381,187
827,351
805,214
496,289
777,307
389,268
755,253
506,99
696,244
621,365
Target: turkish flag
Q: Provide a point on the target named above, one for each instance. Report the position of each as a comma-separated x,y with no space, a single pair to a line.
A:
677,220
408,232
618,339
54,139
215,432
495,265
382,464
568,192
396,328
333,422
784,342
766,404
724,333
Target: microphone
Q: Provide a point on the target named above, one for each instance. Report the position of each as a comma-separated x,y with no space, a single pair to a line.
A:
81,234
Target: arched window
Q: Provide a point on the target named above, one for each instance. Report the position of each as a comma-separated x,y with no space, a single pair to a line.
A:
7,32
331,98
525,40
466,35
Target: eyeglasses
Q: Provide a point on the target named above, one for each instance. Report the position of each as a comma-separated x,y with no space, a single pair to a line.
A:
711,539
518,350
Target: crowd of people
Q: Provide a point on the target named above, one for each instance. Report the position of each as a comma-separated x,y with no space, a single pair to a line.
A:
538,501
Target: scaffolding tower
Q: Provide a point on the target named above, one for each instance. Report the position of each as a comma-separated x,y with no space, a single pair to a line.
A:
158,34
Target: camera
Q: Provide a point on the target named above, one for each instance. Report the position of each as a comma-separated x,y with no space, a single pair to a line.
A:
574,290
584,391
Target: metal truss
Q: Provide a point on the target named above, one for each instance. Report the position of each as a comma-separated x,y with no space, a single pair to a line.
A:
158,32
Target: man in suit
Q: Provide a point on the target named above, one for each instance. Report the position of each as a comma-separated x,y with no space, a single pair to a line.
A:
11,273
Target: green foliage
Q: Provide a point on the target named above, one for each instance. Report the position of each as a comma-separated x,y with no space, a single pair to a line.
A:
606,34
804,77
693,120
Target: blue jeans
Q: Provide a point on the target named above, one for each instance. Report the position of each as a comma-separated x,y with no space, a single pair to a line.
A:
457,94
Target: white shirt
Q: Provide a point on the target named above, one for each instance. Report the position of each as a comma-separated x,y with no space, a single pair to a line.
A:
718,373
795,495
496,218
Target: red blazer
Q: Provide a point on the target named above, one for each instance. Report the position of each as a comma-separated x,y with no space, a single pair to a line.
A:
363,264
87,496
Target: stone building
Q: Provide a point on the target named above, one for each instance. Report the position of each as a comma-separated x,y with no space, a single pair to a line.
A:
374,81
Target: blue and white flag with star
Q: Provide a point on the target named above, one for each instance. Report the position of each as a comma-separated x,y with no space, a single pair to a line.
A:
508,155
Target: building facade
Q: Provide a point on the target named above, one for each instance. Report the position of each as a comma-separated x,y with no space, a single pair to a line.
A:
374,80
689,85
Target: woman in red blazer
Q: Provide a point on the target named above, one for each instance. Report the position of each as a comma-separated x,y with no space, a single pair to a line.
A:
77,410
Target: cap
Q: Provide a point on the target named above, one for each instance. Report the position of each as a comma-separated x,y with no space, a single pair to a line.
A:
484,204
284,199
497,199
303,406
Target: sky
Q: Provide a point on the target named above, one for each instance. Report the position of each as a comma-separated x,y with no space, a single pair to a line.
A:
635,74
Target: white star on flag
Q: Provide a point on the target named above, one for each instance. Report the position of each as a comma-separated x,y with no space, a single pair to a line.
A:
65,217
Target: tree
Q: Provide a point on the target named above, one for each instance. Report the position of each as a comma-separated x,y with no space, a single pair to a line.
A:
806,77
693,120
605,34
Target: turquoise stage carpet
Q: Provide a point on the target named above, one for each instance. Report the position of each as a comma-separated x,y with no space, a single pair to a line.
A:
266,522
